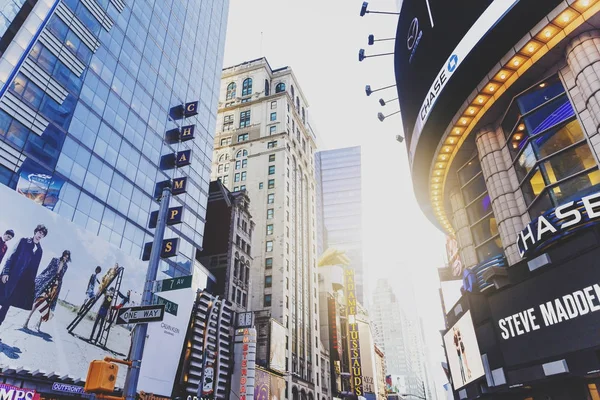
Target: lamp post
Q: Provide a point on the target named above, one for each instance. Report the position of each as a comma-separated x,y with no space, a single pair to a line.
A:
424,397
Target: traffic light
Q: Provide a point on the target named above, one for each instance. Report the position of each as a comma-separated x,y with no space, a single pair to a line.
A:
101,377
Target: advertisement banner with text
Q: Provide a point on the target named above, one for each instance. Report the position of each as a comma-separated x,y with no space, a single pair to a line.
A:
550,315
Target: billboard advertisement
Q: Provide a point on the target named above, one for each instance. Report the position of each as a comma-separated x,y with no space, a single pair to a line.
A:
395,384
463,352
38,184
60,289
268,386
277,347
550,315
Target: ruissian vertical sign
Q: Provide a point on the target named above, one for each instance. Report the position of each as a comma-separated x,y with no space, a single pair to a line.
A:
353,338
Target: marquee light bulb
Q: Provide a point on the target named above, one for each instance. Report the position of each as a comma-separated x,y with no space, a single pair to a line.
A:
502,76
491,88
481,100
547,34
531,49
566,18
585,3
457,131
464,121
472,111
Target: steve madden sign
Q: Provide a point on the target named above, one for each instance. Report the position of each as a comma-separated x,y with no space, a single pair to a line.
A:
561,309
561,221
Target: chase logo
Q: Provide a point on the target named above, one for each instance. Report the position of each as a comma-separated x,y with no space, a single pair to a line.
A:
452,63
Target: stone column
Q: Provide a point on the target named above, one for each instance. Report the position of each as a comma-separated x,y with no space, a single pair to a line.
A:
460,222
503,188
582,81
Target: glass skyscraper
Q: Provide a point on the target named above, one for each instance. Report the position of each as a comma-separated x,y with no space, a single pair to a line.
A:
339,206
85,92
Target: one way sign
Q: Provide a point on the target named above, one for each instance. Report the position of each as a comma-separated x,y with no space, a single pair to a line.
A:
133,315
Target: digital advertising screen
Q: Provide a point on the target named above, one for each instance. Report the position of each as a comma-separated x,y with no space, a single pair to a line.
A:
463,352
277,347
60,290
443,50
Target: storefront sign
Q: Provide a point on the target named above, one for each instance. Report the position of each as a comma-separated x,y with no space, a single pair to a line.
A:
561,221
9,392
552,314
63,387
353,337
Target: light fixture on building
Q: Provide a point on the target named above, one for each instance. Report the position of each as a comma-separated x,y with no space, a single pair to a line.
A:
383,102
364,10
372,40
362,55
368,89
383,117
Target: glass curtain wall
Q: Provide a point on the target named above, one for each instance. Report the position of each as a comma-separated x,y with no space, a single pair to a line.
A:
552,159
479,210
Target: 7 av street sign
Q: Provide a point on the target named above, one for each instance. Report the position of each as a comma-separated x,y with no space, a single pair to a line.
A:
133,315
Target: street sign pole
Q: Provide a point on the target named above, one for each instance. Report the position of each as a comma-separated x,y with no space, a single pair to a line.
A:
140,330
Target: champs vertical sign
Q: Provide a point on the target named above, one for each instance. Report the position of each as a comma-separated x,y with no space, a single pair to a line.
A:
353,339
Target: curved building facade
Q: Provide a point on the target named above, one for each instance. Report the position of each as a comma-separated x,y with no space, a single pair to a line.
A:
501,111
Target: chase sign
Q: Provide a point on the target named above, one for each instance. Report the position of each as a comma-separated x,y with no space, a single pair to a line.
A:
557,223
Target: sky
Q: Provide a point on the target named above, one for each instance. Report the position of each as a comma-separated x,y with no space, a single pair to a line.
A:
320,40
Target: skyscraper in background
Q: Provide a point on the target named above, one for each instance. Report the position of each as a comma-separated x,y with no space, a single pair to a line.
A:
399,334
265,145
86,88
339,207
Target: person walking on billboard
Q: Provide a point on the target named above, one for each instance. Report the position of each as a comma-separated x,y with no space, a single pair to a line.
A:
102,313
17,279
89,292
8,235
459,354
462,350
47,288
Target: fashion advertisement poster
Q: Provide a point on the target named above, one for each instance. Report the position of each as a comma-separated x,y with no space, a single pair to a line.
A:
61,288
268,386
463,352
277,347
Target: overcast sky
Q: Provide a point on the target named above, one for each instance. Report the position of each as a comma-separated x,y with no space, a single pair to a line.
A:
320,40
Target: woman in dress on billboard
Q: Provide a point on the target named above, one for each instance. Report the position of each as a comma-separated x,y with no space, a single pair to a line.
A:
17,279
47,288
462,350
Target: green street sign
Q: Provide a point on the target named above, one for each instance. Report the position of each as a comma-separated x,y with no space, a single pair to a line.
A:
174,283
170,307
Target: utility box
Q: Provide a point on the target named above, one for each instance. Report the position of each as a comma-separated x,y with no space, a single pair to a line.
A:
101,377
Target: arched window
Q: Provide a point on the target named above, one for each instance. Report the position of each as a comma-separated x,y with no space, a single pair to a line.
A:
292,90
247,87
280,87
223,157
241,161
303,116
230,91
297,103
267,87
